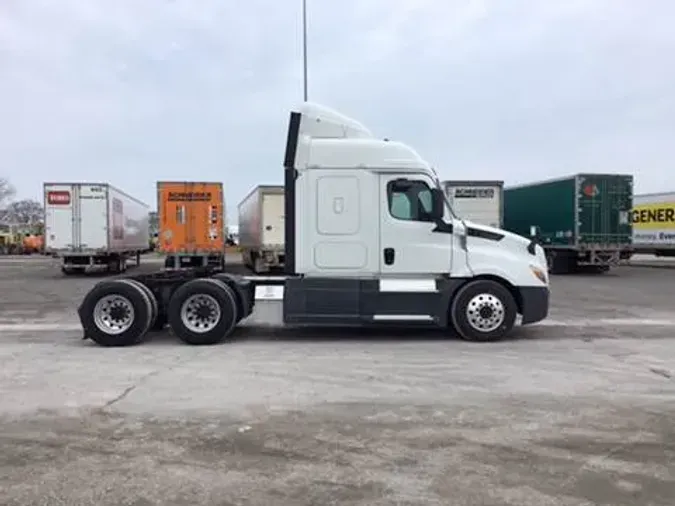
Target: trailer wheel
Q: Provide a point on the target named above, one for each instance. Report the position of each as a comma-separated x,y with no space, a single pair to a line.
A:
116,313
203,311
483,311
559,262
71,271
154,305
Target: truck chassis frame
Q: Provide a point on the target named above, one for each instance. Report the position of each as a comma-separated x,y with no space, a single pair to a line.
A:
203,306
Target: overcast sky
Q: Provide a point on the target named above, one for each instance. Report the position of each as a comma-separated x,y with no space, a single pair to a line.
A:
134,91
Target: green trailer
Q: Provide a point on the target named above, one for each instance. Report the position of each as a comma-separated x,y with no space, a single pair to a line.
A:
581,220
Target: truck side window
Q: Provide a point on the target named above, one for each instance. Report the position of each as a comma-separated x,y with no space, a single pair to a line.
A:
409,200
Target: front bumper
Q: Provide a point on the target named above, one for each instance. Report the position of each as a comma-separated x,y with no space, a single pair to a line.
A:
535,302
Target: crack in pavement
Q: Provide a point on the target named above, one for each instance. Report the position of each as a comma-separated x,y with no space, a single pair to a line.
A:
661,372
141,381
623,356
133,387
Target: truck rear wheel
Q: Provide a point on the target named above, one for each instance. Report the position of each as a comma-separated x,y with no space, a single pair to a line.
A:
483,310
203,311
116,313
154,305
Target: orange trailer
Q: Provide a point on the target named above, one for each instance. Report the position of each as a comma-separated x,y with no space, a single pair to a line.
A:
191,223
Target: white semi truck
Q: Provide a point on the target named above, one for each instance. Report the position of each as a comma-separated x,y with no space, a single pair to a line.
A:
94,225
369,240
261,228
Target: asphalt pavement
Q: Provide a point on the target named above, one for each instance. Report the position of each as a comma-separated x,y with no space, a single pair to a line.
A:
577,410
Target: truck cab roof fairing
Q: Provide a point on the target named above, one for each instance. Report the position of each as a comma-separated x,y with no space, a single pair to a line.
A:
312,121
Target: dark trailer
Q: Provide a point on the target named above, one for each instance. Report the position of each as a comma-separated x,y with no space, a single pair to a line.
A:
580,220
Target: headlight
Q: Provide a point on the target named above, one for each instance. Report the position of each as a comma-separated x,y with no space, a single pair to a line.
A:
539,273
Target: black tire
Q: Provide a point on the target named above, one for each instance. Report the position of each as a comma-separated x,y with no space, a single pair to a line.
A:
115,266
558,262
154,305
497,298
73,271
226,278
218,292
133,295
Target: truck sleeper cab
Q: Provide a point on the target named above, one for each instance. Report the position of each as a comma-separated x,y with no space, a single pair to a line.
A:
369,239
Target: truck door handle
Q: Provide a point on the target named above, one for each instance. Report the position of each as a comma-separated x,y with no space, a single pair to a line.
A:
388,256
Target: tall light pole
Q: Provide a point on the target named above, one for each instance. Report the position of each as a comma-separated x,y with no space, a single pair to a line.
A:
304,49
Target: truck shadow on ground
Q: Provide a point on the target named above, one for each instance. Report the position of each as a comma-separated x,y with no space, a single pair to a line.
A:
346,334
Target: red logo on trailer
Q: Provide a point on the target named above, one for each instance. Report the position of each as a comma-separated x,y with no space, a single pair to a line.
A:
591,190
57,198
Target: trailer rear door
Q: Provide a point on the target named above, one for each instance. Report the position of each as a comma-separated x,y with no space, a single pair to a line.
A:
59,204
480,203
75,217
92,225
604,202
273,218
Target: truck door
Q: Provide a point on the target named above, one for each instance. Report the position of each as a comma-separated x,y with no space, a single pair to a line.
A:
408,244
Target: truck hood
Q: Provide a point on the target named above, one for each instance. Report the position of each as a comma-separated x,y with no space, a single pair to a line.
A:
507,235
514,242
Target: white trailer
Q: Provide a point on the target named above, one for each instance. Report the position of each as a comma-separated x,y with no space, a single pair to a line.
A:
94,225
261,228
478,201
653,218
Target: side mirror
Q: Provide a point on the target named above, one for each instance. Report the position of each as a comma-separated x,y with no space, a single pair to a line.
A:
437,204
534,239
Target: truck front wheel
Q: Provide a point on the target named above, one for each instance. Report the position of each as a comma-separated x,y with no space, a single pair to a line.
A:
483,310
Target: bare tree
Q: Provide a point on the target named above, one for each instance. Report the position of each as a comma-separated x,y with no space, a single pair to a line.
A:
28,213
6,192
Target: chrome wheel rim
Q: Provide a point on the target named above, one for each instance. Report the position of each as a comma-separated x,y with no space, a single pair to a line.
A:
114,314
485,312
200,313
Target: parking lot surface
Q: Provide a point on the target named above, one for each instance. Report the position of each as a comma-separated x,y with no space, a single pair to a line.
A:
579,410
